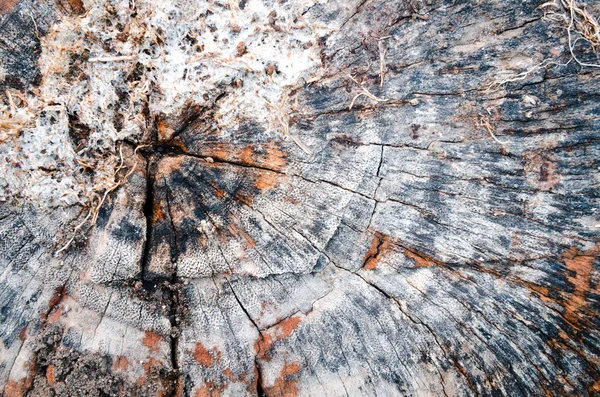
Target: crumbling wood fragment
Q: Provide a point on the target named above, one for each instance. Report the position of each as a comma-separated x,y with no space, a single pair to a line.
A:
441,240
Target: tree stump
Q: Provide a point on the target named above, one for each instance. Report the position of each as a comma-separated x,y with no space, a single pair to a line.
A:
436,235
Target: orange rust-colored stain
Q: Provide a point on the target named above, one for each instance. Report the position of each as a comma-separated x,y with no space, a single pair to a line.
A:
283,330
164,131
219,193
265,180
243,198
121,364
559,344
285,384
202,355
542,292
221,152
179,388
370,262
15,389
595,387
7,5
290,200
263,345
77,6
57,297
246,155
275,158
157,212
178,144
263,307
267,156
221,234
50,374
382,244
579,274
579,270
141,381
22,386
379,245
151,340
421,259
287,326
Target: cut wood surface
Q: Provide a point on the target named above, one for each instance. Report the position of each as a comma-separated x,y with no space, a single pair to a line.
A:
437,235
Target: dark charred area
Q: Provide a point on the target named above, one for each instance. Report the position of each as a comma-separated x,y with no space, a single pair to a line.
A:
184,191
21,25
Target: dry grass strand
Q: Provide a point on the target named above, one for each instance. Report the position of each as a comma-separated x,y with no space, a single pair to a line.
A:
580,26
484,121
365,92
94,211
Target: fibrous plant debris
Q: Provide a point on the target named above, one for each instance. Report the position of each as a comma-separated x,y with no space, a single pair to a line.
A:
110,74
365,92
581,26
583,35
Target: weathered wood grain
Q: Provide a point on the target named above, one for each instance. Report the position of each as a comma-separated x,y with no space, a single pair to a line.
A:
394,248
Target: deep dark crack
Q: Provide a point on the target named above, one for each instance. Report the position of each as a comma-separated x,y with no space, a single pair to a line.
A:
148,209
153,153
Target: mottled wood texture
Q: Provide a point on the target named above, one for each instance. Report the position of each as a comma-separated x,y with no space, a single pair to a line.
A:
409,253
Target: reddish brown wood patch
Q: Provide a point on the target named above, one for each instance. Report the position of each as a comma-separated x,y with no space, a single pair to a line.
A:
578,274
157,212
285,385
202,355
57,297
152,340
50,375
74,7
22,386
121,364
421,259
265,180
7,5
278,332
379,244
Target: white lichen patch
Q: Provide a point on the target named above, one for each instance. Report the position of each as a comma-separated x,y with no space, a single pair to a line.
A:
2,72
111,73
